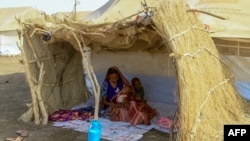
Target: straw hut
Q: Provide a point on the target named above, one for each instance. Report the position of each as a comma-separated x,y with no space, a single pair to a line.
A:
173,44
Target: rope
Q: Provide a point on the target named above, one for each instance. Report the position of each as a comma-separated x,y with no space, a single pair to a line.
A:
197,117
43,59
191,54
195,53
185,31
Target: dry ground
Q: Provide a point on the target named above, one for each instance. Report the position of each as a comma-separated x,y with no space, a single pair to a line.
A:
15,93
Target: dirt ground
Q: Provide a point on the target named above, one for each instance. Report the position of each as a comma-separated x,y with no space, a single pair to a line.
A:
15,94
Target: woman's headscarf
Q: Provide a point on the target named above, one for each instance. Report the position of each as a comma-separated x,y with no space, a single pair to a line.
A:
121,77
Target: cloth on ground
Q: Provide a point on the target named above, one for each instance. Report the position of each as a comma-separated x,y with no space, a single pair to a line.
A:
166,123
115,131
120,131
85,113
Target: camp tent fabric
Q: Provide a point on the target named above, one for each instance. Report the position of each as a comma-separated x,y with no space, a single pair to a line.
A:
114,10
240,67
231,33
235,14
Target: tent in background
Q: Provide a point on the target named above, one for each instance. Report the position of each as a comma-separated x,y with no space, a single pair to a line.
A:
8,27
228,23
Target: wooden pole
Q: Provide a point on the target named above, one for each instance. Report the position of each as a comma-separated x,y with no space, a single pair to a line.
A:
34,104
35,107
90,72
32,86
39,97
33,50
97,94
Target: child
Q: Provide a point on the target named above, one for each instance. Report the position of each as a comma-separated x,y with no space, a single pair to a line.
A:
139,90
122,99
123,95
141,106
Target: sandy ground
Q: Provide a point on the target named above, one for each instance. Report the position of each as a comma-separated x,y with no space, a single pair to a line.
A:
15,94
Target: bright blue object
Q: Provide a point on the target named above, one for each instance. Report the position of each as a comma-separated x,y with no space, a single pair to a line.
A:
244,89
95,130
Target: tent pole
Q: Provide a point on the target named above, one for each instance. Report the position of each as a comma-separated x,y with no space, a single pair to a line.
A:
90,72
39,97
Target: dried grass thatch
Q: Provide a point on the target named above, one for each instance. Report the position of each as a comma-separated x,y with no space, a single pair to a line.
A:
208,98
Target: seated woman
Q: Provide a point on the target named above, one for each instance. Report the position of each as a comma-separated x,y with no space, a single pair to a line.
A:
112,85
122,110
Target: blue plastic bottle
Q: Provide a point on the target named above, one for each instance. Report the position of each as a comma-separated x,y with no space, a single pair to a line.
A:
95,130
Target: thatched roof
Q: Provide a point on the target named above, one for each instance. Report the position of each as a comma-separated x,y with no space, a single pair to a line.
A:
122,35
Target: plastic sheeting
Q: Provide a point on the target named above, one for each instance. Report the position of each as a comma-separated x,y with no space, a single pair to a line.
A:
240,67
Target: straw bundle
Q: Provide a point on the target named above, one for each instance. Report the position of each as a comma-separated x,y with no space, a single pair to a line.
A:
208,98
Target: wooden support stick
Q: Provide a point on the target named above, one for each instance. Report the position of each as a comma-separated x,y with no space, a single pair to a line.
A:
32,86
27,117
39,97
94,82
35,105
85,62
40,31
97,94
34,110
33,50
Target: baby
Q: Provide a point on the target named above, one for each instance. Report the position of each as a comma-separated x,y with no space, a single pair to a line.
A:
123,95
122,99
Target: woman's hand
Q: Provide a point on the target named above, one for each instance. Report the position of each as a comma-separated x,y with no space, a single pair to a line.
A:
112,105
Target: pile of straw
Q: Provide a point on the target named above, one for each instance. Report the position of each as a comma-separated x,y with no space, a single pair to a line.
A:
208,98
